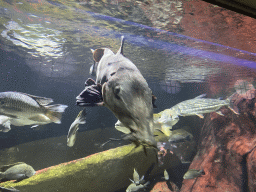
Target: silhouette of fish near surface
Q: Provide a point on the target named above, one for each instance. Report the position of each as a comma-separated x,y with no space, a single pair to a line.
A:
21,109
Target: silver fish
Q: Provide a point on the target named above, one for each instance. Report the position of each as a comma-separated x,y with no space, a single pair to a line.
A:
21,109
136,178
197,106
166,175
193,173
133,187
16,171
80,119
180,135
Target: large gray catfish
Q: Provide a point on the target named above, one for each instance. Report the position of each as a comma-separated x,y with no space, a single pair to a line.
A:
125,92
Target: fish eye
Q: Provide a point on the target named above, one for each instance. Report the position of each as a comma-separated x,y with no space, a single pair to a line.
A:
2,102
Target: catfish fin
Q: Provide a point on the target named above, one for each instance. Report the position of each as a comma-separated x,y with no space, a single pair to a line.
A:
120,127
120,51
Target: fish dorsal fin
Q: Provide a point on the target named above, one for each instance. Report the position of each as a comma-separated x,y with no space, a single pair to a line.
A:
5,167
40,100
200,96
120,51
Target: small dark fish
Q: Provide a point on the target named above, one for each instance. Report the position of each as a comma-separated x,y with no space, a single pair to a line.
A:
80,119
16,171
193,173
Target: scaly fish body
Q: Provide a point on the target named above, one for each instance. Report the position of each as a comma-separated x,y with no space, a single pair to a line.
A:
17,171
180,135
199,106
21,109
16,104
193,173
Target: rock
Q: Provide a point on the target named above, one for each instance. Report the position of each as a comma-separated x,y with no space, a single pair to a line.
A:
226,151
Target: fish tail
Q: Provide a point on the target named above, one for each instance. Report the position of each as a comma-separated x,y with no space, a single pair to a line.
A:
82,117
55,112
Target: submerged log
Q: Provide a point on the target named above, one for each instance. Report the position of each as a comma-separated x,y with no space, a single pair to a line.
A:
226,151
105,171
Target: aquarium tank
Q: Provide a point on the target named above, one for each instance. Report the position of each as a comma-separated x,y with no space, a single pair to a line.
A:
115,96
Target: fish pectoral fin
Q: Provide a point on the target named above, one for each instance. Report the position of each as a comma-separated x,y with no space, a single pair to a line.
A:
123,129
166,130
6,126
33,126
6,123
219,113
200,115
3,119
40,118
19,176
234,111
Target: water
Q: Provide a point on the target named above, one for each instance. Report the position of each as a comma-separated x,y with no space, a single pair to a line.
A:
45,51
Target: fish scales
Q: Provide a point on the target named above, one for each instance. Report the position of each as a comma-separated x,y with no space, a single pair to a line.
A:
20,103
199,106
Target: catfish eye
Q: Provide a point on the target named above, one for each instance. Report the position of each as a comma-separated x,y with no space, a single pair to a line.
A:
117,91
